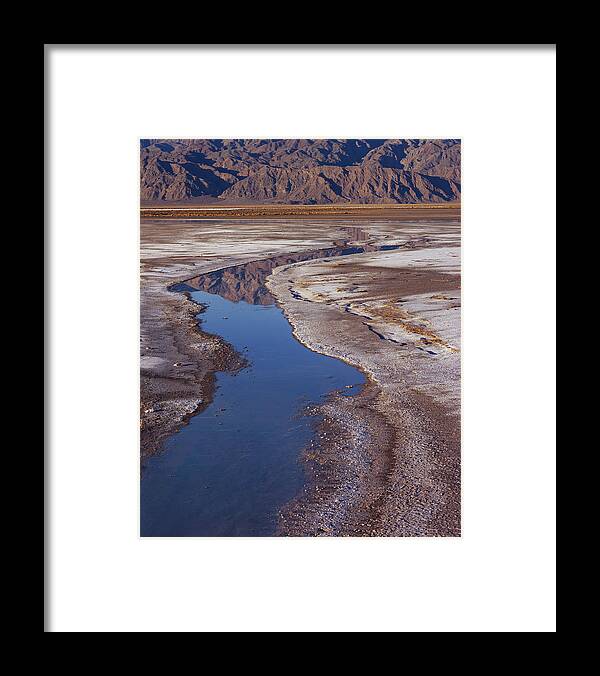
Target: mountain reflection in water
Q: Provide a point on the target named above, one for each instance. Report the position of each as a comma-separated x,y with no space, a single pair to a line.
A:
247,281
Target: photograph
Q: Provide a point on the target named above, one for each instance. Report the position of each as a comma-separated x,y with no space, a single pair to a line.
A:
300,326
287,299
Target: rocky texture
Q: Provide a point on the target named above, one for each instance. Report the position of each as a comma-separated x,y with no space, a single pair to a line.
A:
301,171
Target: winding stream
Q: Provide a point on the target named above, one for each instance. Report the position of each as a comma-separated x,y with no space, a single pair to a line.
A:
230,470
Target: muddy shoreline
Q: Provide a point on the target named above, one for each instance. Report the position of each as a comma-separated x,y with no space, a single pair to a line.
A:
169,401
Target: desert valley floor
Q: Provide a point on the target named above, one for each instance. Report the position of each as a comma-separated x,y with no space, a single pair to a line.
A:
367,297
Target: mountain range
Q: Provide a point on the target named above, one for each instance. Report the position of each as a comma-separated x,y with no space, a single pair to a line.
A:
300,171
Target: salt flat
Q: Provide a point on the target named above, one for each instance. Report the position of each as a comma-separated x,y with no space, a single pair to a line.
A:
395,314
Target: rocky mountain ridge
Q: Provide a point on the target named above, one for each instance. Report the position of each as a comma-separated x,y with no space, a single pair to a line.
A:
293,171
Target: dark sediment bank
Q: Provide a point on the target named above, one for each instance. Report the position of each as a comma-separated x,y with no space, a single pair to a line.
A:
169,400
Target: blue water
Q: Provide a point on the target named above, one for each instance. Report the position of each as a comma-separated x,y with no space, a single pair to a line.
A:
229,471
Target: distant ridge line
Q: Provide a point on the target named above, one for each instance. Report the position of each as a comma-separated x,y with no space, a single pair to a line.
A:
311,172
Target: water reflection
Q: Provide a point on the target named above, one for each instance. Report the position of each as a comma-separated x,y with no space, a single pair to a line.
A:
247,281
